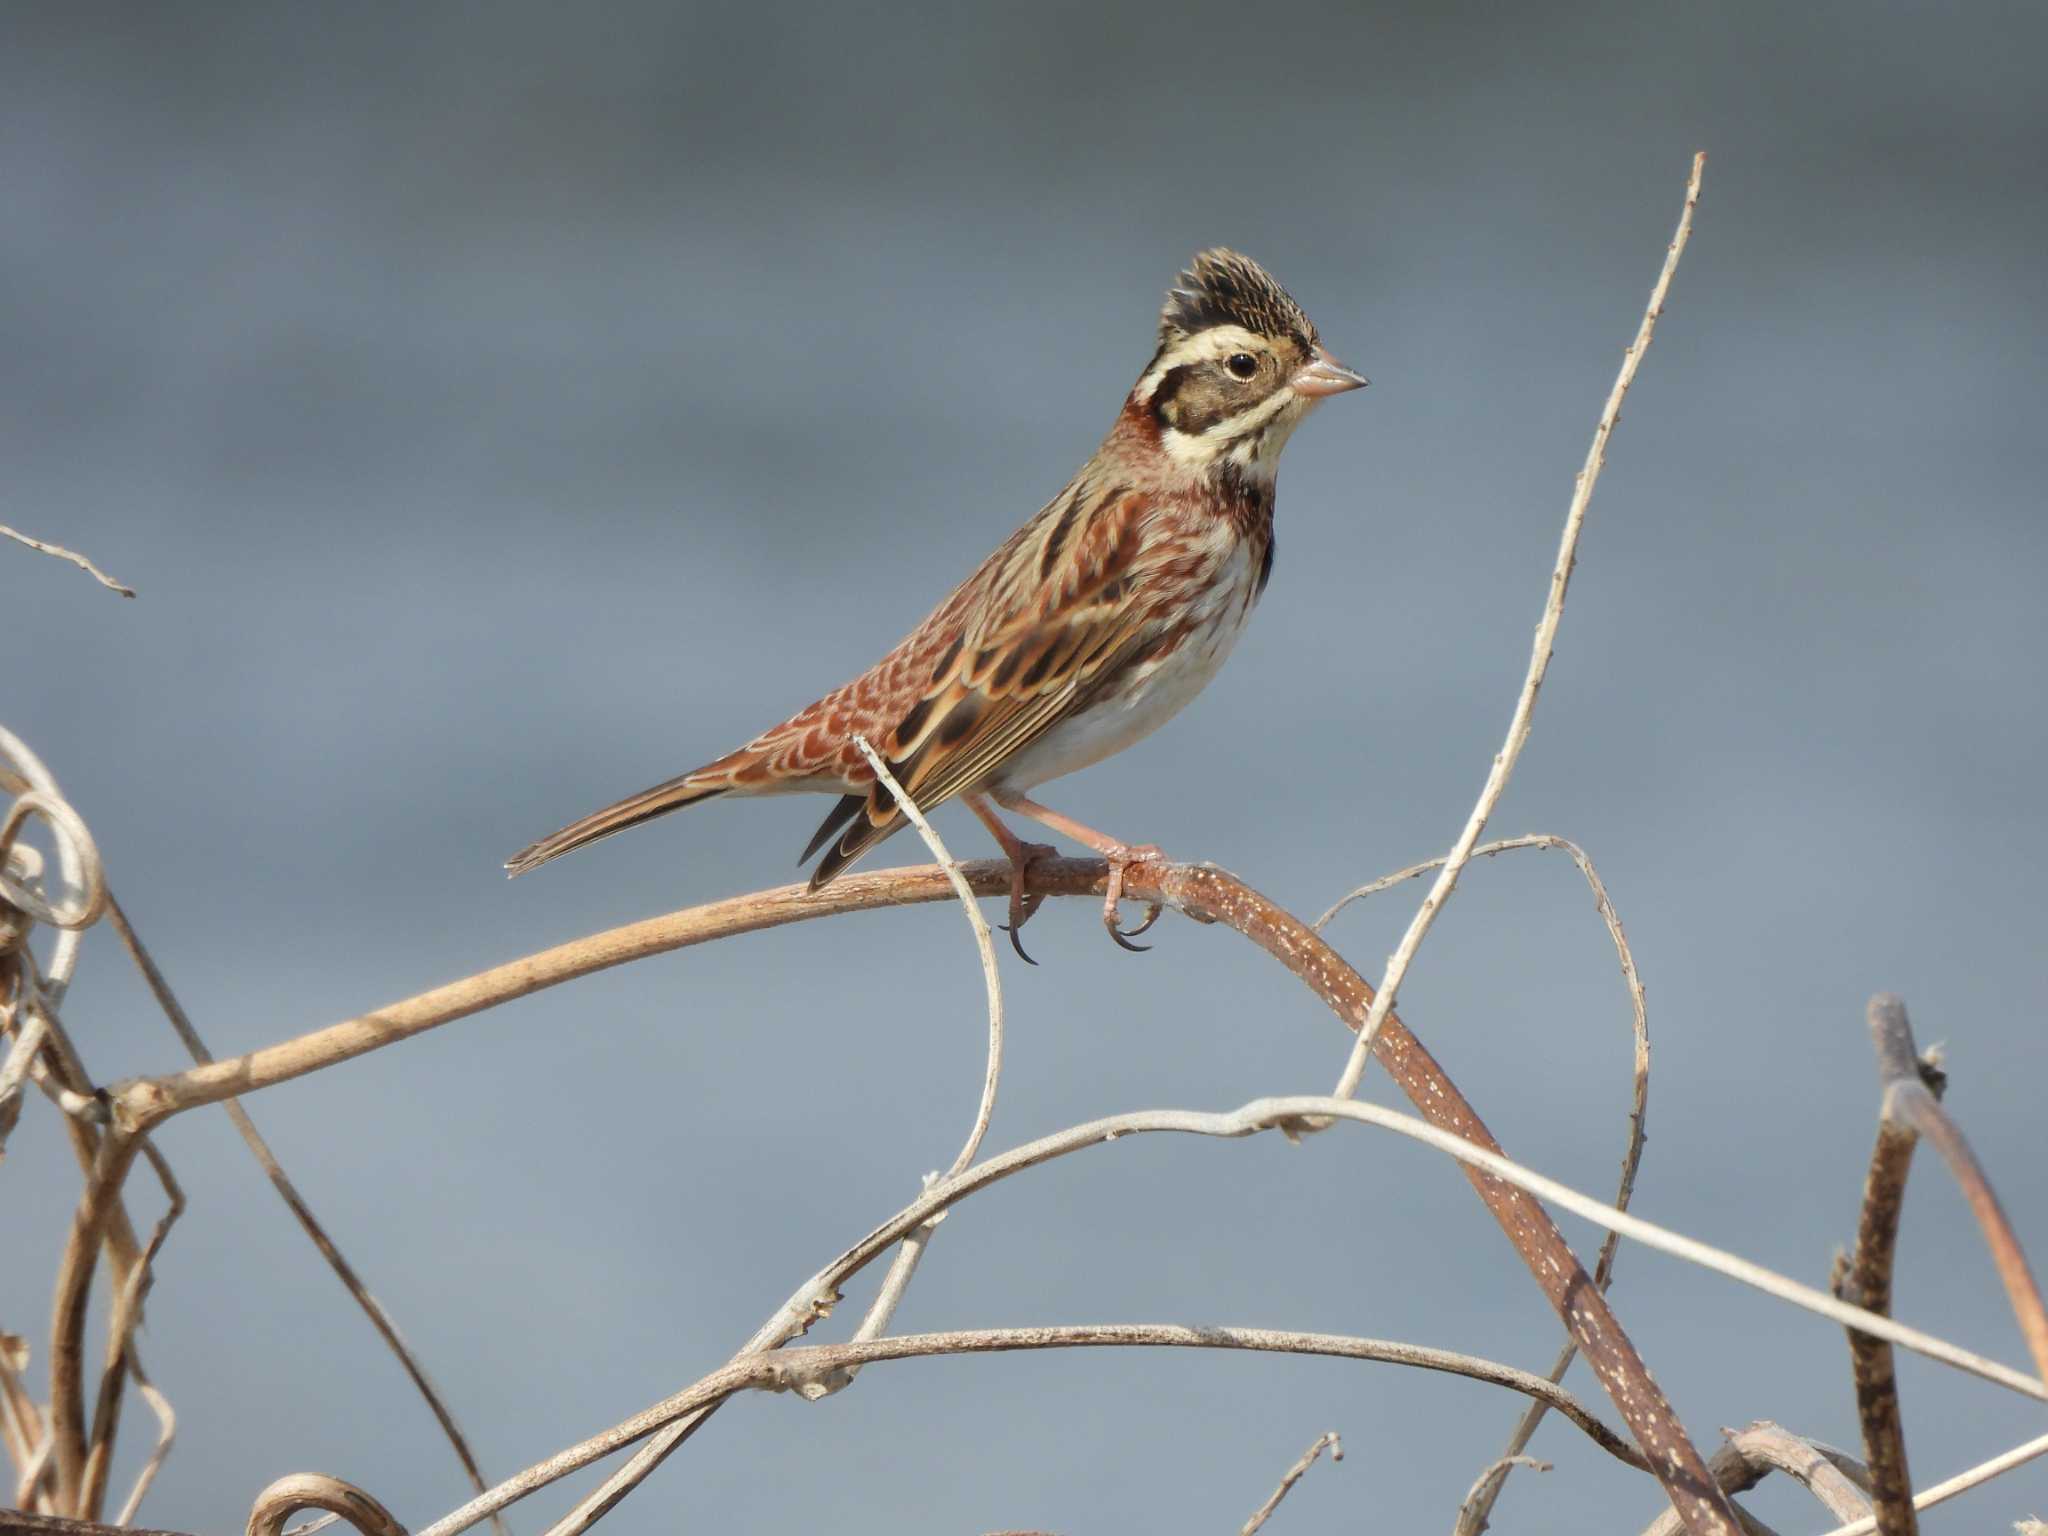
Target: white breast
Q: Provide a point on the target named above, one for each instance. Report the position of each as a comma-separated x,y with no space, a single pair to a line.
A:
1158,691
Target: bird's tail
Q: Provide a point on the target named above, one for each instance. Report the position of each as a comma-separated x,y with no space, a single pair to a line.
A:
630,812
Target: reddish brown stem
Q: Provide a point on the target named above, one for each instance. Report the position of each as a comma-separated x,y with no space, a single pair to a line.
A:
1206,894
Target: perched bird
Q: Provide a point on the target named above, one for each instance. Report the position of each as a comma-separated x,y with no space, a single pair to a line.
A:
1093,625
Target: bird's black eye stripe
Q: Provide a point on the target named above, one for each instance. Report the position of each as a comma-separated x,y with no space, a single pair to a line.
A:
1242,365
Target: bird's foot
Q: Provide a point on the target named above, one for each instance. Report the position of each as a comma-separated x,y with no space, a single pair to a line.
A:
1023,904
1121,857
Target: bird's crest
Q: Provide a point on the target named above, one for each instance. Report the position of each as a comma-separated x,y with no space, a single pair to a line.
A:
1221,287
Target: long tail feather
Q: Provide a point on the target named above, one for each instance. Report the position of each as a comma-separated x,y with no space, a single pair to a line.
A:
630,812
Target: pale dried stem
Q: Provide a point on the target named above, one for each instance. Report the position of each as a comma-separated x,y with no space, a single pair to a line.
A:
33,1484
27,1025
1477,1509
312,1490
1836,1478
1490,1480
21,1422
380,1319
166,1436
23,773
1816,1468
83,907
90,1227
1294,1474
60,1073
789,1369
1539,659
1259,1115
1204,893
1961,1483
121,1359
909,1253
73,556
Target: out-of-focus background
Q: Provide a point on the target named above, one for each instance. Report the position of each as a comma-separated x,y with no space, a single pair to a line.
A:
499,409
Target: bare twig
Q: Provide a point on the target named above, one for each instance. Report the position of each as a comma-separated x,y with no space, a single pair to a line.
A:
82,910
1294,1474
380,1319
909,1253
1488,1483
787,1370
89,1228
1477,1509
166,1435
73,556
984,944
312,1490
1836,1478
29,1025
21,771
1539,657
1817,1468
121,1357
1262,1114
1911,1103
33,1484
1961,1483
28,1439
58,1070
1207,894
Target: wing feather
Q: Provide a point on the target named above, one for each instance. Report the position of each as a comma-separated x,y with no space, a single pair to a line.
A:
1024,667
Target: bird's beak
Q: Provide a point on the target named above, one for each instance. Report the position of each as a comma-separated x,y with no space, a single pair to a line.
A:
1324,375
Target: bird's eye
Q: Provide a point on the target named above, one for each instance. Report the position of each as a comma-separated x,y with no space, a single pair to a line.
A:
1242,365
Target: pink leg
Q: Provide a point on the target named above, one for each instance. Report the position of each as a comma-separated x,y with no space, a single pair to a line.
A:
1120,856
1020,854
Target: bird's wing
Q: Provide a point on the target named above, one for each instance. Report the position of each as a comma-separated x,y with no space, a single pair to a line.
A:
1046,619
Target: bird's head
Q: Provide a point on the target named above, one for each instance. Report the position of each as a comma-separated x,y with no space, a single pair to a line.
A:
1239,364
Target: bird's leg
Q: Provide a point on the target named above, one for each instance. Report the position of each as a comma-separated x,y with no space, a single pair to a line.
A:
1120,856
1020,855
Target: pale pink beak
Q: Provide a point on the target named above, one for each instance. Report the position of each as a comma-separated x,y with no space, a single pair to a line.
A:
1324,375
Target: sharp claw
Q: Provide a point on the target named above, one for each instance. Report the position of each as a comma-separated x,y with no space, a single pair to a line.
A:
1122,942
1152,911
1016,943
1023,905
1114,894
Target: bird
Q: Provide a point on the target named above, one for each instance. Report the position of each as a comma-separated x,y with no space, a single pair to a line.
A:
1091,626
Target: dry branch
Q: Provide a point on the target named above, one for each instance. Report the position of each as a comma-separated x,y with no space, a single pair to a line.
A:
73,556
1539,657
1962,1482
1865,1278
789,1369
1206,894
1837,1479
1911,1103
311,1490
259,1148
817,1295
121,1352
1477,1508
909,1252
1294,1474
1480,1496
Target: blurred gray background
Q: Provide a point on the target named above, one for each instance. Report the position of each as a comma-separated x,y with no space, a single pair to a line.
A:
502,408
